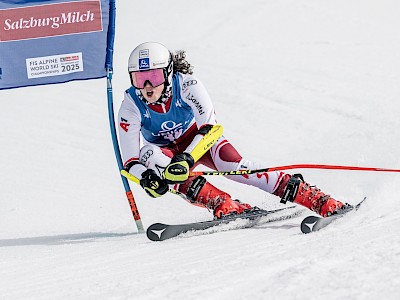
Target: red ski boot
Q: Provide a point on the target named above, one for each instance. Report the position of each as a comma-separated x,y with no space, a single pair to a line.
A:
294,189
229,206
200,192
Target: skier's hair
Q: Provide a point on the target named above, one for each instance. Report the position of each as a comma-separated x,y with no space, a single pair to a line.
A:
180,64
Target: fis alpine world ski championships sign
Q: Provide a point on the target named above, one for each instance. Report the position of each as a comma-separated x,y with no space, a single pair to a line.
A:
52,41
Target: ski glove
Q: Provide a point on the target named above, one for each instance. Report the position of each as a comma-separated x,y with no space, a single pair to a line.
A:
153,184
178,169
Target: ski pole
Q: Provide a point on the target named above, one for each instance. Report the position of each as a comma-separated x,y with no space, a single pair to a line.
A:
288,167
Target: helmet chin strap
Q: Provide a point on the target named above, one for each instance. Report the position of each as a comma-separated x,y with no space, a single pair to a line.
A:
168,72
167,91
166,94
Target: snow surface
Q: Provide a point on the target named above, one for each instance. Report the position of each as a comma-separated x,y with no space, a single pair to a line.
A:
293,81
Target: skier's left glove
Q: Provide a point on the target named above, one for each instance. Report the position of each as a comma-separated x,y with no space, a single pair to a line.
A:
178,169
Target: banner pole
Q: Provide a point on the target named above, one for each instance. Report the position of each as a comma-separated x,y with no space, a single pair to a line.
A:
129,194
109,69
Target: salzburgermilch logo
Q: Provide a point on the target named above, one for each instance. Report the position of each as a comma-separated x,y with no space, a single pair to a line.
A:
50,20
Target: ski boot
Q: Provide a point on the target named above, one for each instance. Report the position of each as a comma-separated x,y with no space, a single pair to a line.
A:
229,207
294,189
202,193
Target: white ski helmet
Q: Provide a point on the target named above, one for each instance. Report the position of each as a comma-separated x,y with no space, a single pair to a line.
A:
150,56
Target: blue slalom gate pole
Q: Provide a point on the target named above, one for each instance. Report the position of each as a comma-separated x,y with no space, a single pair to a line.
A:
109,68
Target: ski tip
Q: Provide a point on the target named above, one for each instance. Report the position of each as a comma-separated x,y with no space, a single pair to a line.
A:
308,223
315,223
155,231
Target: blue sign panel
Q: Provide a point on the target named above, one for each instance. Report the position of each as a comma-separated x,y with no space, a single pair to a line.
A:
44,42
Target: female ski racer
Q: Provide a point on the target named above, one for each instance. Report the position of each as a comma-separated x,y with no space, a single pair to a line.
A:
172,110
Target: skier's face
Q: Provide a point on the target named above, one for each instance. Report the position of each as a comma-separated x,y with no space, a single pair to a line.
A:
150,93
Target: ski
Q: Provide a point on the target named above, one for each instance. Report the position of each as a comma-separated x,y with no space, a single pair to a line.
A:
161,232
315,223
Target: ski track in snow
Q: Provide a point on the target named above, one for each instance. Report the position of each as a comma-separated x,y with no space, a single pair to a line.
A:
292,82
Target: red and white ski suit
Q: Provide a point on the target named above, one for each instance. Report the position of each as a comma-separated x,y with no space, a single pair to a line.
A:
137,156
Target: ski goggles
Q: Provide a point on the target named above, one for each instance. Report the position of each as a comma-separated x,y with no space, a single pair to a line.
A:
155,77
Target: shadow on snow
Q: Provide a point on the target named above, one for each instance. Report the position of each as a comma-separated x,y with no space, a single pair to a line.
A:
62,239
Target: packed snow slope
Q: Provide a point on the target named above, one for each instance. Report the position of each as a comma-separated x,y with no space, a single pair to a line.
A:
293,81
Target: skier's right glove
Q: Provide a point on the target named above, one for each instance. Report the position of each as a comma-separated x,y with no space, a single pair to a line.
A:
178,169
153,184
